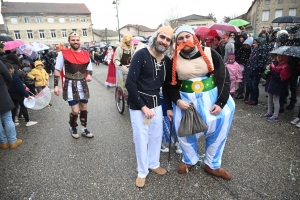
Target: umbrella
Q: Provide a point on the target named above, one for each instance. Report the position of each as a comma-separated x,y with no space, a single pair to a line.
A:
27,50
5,38
139,38
37,46
13,44
201,31
238,22
293,51
224,27
286,19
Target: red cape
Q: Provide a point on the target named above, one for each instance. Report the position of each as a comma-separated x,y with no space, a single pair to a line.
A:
81,57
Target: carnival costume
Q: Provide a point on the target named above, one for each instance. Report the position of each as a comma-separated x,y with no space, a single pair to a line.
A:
200,77
74,66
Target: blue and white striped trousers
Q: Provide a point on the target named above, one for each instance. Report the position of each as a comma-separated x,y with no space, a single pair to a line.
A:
218,127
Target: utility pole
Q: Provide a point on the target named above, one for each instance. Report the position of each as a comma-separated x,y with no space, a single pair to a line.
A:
106,35
116,2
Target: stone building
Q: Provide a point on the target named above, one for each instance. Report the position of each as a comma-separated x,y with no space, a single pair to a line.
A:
106,35
262,12
49,23
193,20
136,29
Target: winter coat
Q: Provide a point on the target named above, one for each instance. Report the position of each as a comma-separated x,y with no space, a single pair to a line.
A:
17,88
238,45
41,74
6,104
259,59
243,54
235,72
229,48
277,78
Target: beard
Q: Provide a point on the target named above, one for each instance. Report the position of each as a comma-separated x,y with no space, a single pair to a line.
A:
75,46
159,47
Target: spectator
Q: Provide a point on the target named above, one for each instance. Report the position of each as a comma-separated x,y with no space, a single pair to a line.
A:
216,44
264,34
229,47
39,75
235,72
239,43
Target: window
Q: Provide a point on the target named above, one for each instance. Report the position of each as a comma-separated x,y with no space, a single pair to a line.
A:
73,30
39,20
294,1
64,33
42,34
82,19
53,34
267,2
84,33
72,20
26,20
265,15
280,1
14,20
29,35
17,35
128,28
50,20
292,11
62,20
278,13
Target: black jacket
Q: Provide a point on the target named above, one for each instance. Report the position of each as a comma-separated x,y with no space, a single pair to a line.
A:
222,78
6,104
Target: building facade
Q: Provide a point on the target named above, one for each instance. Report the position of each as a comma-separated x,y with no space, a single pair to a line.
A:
262,12
48,23
136,29
193,20
106,35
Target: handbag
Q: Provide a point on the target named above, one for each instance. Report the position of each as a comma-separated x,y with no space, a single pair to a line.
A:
191,123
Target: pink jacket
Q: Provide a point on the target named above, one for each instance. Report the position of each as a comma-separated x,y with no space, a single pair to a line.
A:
235,72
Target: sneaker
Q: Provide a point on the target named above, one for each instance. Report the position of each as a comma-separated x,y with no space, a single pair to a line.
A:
298,125
273,119
16,144
178,148
73,131
21,117
30,123
239,96
164,149
295,121
16,124
16,119
266,115
87,133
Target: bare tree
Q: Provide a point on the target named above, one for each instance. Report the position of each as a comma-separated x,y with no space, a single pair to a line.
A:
226,19
212,15
172,18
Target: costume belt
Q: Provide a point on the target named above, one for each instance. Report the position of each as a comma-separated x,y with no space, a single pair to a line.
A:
154,98
204,85
77,76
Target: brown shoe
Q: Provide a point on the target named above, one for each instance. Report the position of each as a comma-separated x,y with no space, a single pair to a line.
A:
4,146
253,103
140,182
218,172
16,144
159,170
182,169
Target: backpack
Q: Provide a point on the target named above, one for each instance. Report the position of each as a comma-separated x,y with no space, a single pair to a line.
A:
27,80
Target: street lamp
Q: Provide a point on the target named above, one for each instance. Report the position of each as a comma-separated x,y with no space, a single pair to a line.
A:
116,2
91,26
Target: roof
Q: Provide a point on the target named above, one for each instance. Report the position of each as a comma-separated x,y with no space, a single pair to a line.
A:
44,8
194,17
140,27
101,32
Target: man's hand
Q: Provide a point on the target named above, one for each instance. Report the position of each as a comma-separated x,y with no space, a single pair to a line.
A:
215,110
29,97
148,112
183,104
88,78
170,114
56,90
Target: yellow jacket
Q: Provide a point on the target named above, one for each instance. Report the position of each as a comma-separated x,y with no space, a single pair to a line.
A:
40,74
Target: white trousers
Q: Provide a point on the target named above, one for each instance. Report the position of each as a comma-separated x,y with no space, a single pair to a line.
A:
147,139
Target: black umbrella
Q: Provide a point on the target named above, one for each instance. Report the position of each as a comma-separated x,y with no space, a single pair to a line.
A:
286,19
5,38
293,51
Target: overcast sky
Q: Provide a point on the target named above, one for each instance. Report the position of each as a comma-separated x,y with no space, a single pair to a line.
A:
151,13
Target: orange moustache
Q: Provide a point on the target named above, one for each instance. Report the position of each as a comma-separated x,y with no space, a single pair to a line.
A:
184,44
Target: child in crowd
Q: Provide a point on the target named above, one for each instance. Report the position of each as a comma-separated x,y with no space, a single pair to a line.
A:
235,72
39,75
17,92
278,74
296,121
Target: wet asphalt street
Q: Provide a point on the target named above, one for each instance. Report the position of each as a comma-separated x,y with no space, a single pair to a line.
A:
262,157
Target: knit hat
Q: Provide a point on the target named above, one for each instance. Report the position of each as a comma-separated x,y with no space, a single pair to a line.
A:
184,28
167,30
282,38
231,56
38,62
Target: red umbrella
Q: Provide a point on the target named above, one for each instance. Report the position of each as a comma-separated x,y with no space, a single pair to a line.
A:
201,31
13,44
224,27
213,33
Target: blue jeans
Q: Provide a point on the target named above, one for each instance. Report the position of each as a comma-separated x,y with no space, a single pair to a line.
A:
9,128
254,90
40,88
